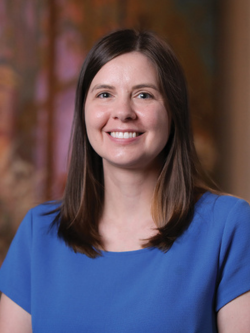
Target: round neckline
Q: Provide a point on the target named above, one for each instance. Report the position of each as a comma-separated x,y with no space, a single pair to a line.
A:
127,253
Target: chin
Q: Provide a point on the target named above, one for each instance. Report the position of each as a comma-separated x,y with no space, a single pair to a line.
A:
135,164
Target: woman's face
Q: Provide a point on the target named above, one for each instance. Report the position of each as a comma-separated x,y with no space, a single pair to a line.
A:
126,119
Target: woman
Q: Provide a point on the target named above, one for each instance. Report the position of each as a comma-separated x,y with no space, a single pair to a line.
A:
138,243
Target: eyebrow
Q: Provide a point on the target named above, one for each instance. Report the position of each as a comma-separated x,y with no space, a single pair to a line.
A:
138,86
146,85
102,86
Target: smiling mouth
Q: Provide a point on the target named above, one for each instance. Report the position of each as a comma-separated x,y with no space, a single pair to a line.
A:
124,135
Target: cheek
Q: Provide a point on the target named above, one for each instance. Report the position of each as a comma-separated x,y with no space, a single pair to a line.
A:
94,119
158,120
160,128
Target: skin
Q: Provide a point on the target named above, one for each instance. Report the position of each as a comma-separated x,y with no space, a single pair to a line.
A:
13,319
130,171
235,316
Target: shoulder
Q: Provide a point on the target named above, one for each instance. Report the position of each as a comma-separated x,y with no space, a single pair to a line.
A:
221,218
226,221
222,201
46,208
37,219
36,232
45,212
223,207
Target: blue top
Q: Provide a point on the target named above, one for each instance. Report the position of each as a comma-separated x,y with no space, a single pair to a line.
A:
131,292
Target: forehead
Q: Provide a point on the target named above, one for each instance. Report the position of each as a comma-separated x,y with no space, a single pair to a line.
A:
128,66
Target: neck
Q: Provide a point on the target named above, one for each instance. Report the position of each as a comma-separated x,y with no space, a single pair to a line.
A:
128,189
127,216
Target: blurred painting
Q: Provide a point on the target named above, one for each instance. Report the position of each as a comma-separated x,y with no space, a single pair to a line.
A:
42,47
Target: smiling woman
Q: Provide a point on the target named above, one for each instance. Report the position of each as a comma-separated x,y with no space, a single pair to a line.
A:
154,248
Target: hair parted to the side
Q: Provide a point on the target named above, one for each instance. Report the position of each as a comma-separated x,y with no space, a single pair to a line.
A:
179,184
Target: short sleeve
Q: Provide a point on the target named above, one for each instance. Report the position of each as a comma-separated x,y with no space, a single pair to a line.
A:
15,273
234,260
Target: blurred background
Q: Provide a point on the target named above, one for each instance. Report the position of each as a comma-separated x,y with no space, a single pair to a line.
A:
42,47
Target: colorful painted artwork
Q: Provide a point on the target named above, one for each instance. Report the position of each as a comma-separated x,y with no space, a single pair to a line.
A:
42,47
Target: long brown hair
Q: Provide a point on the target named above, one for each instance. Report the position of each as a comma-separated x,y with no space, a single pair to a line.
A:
179,183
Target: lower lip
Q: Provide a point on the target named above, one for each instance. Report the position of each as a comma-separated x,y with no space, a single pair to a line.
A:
124,141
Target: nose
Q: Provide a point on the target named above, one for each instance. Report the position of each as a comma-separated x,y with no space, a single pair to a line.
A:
124,110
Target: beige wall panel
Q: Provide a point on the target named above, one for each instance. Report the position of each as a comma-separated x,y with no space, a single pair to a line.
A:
234,91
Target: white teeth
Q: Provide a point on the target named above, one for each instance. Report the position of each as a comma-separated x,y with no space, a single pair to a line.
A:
124,135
